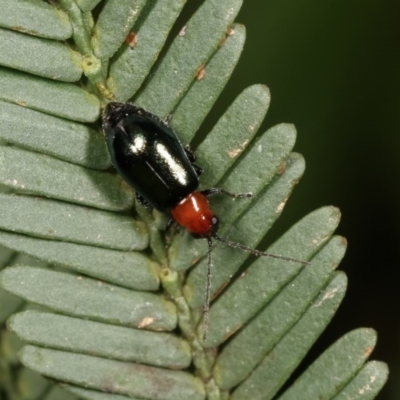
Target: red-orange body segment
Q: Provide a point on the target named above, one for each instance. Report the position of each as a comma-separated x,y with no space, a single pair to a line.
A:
194,214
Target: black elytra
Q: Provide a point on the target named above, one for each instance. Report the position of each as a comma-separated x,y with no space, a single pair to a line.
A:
148,155
151,159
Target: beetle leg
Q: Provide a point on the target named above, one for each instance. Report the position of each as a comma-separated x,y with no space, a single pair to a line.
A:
198,169
190,153
192,158
168,119
213,191
142,201
169,224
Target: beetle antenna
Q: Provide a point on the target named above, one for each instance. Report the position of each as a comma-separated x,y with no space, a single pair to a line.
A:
206,307
257,252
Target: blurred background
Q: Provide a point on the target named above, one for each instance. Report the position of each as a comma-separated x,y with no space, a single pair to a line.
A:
333,70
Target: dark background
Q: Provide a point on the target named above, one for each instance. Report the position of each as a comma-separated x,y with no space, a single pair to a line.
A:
333,70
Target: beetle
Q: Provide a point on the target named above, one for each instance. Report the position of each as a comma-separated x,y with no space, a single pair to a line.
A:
149,156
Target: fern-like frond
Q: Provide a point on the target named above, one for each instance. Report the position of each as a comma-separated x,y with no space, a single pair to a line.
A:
98,297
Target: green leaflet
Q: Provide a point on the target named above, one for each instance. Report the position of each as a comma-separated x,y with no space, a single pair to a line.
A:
128,269
104,340
133,62
87,298
55,220
36,18
232,133
63,100
53,136
277,366
87,394
367,383
257,338
38,174
109,375
190,113
55,393
10,303
343,359
57,61
87,5
265,159
204,32
115,21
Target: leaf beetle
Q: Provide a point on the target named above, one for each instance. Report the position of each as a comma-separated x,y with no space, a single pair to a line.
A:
149,156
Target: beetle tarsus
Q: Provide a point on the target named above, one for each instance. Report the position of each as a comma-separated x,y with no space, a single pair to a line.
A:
142,200
214,191
207,297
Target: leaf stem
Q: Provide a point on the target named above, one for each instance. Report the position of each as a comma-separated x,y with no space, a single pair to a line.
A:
203,359
82,24
157,243
81,34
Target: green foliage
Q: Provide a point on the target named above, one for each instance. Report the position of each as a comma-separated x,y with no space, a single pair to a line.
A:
113,308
